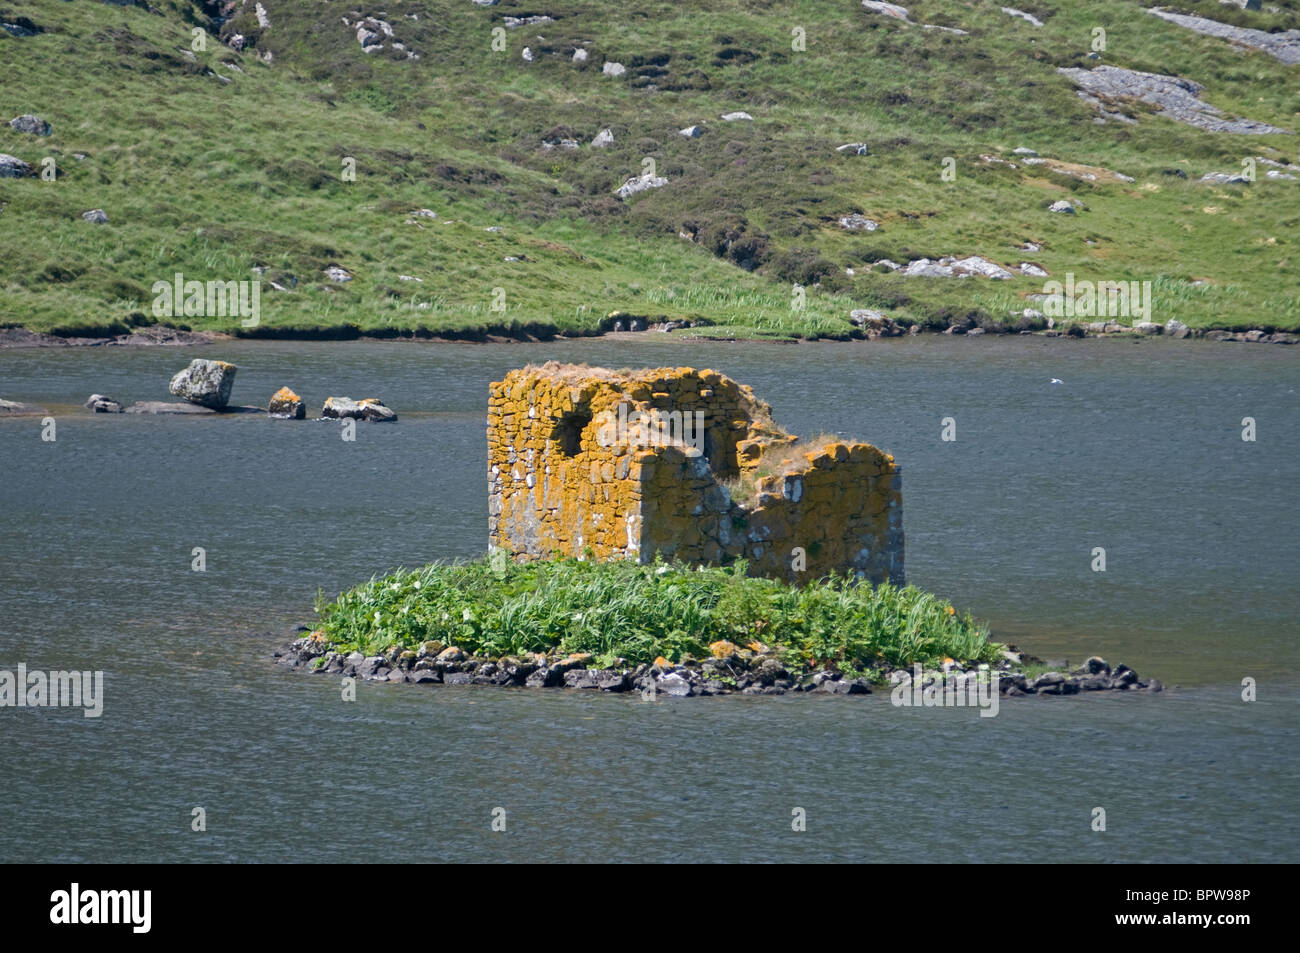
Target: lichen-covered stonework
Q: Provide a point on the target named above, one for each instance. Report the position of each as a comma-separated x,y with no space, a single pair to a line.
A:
573,473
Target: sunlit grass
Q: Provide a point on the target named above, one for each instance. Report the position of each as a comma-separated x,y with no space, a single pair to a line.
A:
212,179
623,610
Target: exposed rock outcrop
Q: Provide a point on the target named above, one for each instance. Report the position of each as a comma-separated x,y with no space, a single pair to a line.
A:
1177,98
1283,46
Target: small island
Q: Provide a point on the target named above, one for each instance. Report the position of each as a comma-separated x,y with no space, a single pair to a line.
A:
656,530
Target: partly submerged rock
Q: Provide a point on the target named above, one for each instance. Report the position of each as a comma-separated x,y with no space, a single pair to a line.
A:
286,405
165,407
206,383
103,405
16,408
369,408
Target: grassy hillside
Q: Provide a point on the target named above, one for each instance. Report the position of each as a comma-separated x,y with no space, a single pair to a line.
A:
232,160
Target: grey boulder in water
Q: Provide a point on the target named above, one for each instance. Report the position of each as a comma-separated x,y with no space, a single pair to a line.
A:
367,409
206,383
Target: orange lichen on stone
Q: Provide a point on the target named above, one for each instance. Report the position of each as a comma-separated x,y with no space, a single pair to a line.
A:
285,403
594,463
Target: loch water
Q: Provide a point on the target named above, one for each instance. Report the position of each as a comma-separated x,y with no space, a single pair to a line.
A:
1138,450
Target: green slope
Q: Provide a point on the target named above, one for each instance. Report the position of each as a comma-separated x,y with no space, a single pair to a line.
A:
214,179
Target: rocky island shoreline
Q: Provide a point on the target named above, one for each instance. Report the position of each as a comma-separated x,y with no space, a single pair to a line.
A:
727,670
866,325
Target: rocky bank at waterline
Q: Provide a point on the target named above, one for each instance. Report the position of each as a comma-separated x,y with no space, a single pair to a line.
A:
731,670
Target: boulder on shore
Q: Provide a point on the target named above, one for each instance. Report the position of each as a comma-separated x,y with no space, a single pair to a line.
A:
206,383
287,405
370,408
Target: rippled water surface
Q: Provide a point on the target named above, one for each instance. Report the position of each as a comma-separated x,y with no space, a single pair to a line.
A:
1138,450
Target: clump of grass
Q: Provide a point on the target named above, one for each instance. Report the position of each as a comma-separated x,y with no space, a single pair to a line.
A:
625,610
780,459
743,486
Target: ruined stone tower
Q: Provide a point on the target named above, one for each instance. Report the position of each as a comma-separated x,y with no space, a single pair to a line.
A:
593,463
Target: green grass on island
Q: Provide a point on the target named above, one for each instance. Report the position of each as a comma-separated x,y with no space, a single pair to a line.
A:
225,162
624,614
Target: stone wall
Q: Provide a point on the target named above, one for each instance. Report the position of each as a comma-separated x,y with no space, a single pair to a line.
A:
602,464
